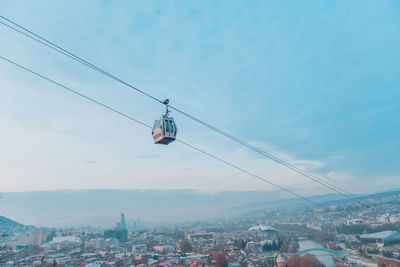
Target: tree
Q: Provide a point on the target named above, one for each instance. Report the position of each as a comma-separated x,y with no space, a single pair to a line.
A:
279,243
220,259
240,244
284,248
387,254
274,246
294,261
332,246
185,246
267,247
307,260
388,262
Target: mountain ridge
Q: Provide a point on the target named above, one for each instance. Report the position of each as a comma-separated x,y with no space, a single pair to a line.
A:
9,226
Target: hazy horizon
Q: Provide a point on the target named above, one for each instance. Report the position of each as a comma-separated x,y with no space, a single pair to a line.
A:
101,208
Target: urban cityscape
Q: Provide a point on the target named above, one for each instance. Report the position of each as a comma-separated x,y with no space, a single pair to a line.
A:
341,233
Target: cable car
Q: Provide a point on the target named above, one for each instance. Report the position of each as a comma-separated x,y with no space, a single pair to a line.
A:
164,129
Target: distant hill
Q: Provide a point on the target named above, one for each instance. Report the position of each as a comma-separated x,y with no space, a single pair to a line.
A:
290,203
9,226
323,200
382,194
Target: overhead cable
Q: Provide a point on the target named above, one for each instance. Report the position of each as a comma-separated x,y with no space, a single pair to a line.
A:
44,41
148,126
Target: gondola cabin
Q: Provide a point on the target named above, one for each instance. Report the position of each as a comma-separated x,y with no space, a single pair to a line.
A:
164,130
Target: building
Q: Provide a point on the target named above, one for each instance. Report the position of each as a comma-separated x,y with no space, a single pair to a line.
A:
98,243
62,242
361,262
354,221
139,249
120,234
263,229
121,224
38,237
112,242
381,238
200,236
250,247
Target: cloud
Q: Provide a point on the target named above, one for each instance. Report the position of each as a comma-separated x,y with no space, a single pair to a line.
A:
90,162
272,85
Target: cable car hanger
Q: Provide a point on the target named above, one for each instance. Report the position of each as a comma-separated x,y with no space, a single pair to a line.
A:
166,102
164,129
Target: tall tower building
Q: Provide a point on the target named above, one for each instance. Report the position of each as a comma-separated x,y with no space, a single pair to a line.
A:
119,232
123,224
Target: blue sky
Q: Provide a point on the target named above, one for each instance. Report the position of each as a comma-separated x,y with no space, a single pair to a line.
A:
316,83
